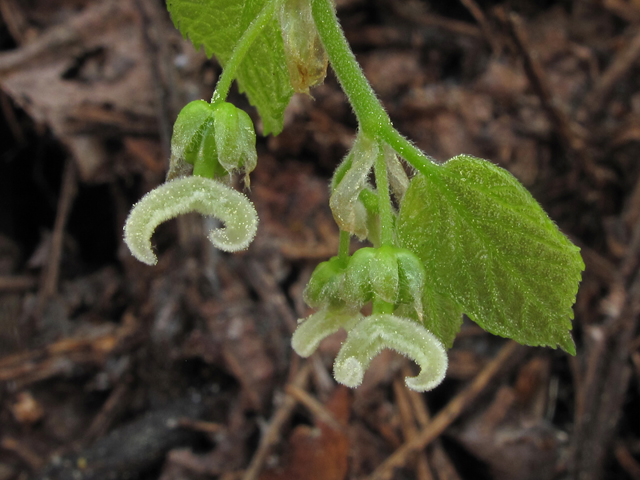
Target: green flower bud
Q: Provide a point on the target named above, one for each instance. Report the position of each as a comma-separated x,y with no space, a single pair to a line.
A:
235,139
357,283
188,132
398,179
350,180
384,274
205,160
216,139
325,285
377,332
306,58
392,274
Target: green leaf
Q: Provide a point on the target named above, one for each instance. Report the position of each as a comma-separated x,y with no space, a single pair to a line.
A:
438,313
263,74
488,245
441,316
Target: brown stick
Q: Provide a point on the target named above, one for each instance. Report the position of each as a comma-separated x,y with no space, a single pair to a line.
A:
567,130
14,19
17,283
25,453
272,433
620,67
626,461
432,20
596,426
109,412
409,429
315,407
440,461
73,32
67,195
487,31
447,415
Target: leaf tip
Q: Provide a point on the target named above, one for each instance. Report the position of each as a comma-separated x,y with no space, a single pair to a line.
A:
568,345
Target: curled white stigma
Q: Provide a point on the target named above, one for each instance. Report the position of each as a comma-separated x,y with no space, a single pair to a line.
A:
188,194
377,332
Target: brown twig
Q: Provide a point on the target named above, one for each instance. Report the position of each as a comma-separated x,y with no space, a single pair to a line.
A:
25,453
570,133
315,407
447,415
157,55
200,425
270,293
10,117
109,413
73,32
17,283
621,66
14,19
271,435
413,13
409,429
440,461
51,272
324,382
626,461
604,391
622,9
488,32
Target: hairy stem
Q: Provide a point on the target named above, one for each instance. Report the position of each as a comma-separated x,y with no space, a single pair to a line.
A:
384,199
418,159
372,117
242,47
343,249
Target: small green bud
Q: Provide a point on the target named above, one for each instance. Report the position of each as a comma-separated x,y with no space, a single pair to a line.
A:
206,157
216,139
348,210
392,274
357,283
389,273
398,179
188,131
235,139
306,58
384,274
325,285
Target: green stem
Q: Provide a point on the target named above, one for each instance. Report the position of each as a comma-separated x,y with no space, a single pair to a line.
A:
372,117
418,159
242,47
380,306
343,249
384,199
